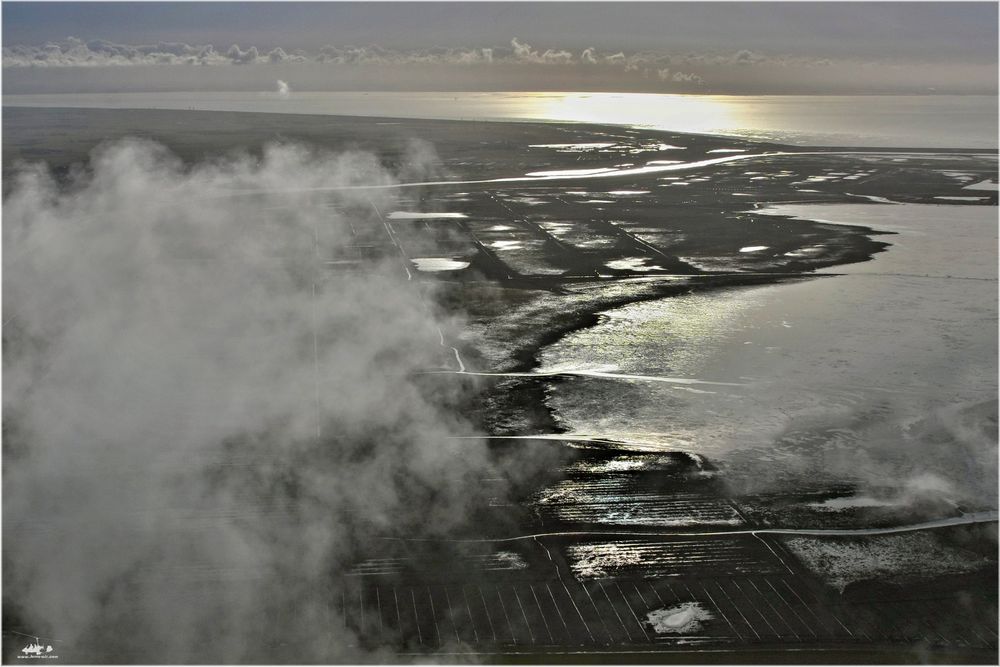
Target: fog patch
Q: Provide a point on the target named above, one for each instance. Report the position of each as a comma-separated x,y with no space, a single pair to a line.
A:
204,425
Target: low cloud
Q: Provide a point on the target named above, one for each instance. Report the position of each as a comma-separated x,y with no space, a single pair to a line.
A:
203,420
681,77
524,53
240,57
518,63
666,74
74,52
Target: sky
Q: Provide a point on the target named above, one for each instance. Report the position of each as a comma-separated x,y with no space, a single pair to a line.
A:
752,48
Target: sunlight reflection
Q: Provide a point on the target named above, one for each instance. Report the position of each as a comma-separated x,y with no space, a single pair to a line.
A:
684,113
926,121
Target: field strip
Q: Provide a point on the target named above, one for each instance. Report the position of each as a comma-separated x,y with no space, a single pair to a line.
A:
636,171
966,519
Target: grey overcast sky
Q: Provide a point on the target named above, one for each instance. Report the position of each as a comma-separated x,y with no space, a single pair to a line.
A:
714,47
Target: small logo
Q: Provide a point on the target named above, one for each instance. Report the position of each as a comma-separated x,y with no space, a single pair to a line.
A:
36,650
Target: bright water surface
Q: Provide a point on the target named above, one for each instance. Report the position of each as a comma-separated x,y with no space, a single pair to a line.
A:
861,376
930,121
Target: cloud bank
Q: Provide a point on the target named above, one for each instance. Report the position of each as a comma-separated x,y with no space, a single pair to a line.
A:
203,421
74,52
75,65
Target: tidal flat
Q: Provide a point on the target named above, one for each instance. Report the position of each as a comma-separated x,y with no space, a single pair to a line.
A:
702,345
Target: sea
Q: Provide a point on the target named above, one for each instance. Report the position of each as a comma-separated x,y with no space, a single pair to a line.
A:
900,121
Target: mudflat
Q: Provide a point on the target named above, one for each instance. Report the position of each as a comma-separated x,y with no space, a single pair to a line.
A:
526,233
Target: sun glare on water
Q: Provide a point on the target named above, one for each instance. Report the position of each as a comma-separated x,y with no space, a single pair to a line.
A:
685,113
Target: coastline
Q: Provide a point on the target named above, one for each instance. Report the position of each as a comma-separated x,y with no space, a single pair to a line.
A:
790,119
531,280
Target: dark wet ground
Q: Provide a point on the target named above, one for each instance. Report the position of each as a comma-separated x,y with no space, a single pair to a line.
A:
588,574
541,258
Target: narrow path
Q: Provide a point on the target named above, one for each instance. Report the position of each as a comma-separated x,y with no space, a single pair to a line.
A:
590,373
